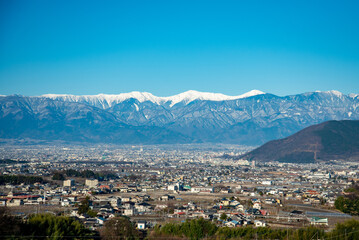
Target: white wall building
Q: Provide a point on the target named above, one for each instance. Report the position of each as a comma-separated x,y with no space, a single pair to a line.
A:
91,183
69,183
202,189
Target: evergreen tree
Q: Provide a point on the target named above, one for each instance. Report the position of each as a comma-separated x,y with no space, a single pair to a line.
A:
223,216
84,206
47,226
119,228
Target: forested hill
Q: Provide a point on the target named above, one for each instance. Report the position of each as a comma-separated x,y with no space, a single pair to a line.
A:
331,140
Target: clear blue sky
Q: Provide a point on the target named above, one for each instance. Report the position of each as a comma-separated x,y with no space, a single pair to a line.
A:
167,47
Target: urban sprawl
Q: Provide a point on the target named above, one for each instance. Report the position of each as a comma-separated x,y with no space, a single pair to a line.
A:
163,183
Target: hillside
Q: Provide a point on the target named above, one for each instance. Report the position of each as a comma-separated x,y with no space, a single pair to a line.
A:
330,140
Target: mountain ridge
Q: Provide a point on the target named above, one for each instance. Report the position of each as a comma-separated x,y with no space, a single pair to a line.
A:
251,120
109,99
330,140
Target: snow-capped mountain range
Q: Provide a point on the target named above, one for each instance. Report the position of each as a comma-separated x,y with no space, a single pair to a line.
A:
108,100
140,117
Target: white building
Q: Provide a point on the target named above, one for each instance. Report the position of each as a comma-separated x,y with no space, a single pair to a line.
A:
115,202
175,187
3,202
258,223
202,189
14,202
130,212
69,183
141,224
257,206
267,182
91,183
243,162
319,221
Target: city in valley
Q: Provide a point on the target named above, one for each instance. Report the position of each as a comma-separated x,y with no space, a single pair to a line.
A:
157,184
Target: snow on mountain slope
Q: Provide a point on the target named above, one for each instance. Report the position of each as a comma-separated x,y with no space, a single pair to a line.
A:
353,95
105,100
108,100
192,95
251,94
209,117
332,92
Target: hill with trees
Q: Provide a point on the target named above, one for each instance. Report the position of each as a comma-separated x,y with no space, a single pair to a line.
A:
331,140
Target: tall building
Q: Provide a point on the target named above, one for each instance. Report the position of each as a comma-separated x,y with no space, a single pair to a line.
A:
69,183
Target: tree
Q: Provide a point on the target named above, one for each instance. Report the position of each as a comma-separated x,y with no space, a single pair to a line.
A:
198,228
347,205
58,176
204,229
223,216
9,225
42,226
192,229
56,227
347,230
18,179
119,228
84,206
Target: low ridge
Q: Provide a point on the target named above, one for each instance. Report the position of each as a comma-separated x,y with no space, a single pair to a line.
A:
331,140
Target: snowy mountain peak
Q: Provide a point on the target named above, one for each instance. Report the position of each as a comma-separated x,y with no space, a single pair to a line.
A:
336,93
353,95
140,96
142,118
333,92
251,93
105,100
192,95
108,100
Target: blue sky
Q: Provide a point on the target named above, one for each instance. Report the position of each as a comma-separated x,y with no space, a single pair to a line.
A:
167,47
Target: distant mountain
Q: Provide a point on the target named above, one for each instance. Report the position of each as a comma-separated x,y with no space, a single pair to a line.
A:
46,119
331,140
139,117
105,101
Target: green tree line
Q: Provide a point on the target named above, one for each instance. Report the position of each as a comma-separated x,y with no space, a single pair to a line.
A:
9,161
48,226
83,174
204,229
18,179
42,226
